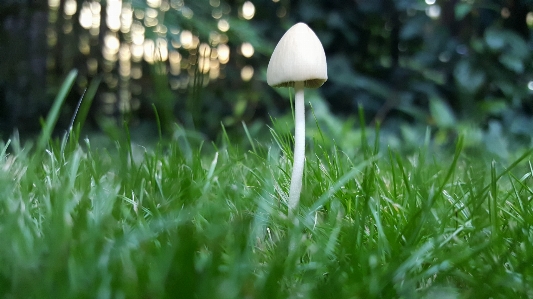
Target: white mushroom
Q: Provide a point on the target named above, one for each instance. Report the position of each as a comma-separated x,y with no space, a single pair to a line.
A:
298,61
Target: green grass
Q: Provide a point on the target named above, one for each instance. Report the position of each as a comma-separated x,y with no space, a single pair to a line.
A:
189,219
210,222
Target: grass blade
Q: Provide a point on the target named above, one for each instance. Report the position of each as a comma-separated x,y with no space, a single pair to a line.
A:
53,115
85,106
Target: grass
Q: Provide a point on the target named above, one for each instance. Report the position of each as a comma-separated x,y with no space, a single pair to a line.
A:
189,219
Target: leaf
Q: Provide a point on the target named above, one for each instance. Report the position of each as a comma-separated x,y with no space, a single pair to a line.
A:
495,39
512,62
461,10
506,42
441,113
467,77
413,28
512,48
494,105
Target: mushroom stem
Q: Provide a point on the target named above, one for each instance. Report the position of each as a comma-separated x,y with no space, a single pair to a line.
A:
299,146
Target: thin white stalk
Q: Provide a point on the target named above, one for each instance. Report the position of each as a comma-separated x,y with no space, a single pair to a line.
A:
299,146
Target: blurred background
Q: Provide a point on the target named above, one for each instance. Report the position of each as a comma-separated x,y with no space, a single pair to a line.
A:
454,66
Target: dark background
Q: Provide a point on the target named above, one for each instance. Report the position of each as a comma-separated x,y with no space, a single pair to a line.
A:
446,65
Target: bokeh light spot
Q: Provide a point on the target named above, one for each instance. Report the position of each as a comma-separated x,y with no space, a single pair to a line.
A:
247,50
247,73
248,10
223,25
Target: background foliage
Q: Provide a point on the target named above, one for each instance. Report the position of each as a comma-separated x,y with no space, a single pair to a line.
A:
452,65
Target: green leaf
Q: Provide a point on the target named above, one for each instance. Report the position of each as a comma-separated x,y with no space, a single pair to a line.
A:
468,77
441,113
512,62
461,10
494,106
495,39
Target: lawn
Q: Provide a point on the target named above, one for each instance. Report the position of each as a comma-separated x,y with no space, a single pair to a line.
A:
186,218
190,219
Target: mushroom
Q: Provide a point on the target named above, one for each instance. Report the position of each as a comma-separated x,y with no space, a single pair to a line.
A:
298,61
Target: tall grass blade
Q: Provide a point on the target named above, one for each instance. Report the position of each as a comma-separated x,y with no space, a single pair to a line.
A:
69,131
453,166
53,115
364,141
493,203
248,136
158,122
88,98
4,149
339,184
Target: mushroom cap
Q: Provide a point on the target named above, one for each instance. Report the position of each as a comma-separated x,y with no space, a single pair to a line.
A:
298,56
